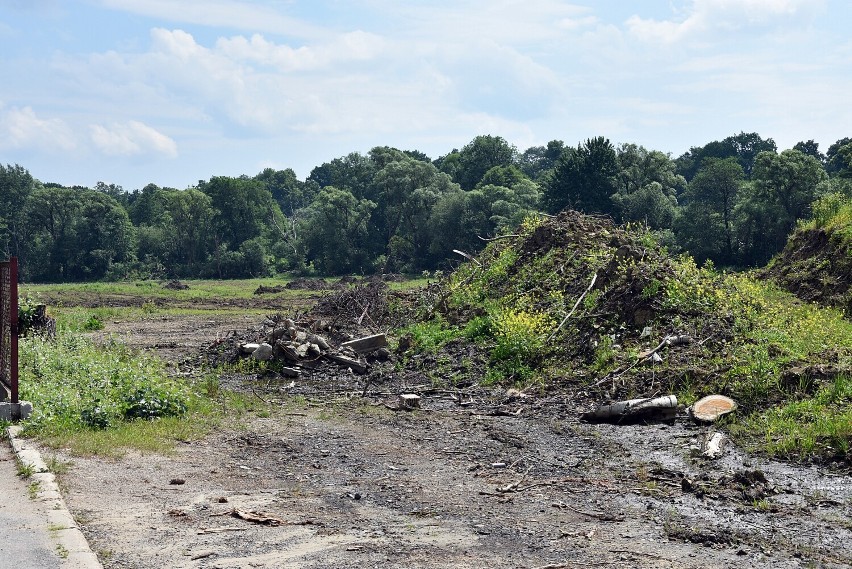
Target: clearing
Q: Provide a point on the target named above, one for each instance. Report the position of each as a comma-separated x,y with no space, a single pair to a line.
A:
324,472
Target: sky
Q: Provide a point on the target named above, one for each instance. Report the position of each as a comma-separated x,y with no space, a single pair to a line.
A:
170,92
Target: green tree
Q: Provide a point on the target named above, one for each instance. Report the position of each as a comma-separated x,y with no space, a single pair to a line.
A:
406,190
190,214
584,178
537,160
835,160
810,148
790,178
76,234
781,191
647,186
478,157
707,226
335,232
16,185
353,172
147,207
744,147
287,190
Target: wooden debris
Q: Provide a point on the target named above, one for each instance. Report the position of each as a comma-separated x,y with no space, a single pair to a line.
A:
366,344
290,372
713,445
574,309
257,517
661,408
710,408
204,531
467,256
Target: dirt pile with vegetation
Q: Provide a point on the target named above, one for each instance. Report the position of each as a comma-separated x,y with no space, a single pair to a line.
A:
816,264
574,302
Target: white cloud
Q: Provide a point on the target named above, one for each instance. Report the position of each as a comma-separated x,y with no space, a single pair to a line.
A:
353,46
705,16
21,128
132,138
221,13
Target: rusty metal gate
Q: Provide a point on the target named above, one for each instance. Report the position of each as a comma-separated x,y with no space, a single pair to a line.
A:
9,330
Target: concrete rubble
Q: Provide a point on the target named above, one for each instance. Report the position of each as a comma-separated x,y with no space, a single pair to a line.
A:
300,346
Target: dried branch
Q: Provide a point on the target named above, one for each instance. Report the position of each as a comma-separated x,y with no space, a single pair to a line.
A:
576,304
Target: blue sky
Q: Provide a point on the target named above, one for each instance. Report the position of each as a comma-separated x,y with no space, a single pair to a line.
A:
165,91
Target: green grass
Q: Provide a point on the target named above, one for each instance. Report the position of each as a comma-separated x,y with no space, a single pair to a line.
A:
804,429
74,383
198,289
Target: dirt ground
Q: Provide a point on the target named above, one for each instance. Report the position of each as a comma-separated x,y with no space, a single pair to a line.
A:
476,478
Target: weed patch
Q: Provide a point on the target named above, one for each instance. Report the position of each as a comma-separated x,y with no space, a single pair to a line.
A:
79,389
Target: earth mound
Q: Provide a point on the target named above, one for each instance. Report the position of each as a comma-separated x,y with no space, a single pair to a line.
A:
816,266
617,313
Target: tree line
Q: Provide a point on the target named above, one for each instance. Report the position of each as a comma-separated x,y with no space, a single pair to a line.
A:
732,202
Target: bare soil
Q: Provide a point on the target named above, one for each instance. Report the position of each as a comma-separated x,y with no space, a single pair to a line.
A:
476,478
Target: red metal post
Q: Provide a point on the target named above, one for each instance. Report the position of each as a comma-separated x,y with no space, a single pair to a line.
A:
13,325
9,327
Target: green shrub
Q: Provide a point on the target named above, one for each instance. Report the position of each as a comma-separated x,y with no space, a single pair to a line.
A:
92,324
520,342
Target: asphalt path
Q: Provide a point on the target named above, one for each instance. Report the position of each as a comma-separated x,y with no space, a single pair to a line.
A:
25,538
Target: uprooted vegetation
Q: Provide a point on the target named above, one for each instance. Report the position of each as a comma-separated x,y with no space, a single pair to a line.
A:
576,303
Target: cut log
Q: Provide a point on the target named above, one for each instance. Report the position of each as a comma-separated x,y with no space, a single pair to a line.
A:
366,344
710,408
409,401
356,366
289,372
660,408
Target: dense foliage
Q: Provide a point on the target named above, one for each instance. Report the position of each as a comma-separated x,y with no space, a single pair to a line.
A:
733,202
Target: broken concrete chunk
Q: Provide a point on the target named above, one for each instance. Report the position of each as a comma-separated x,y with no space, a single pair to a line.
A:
301,336
314,350
302,350
263,352
286,351
249,348
356,366
319,341
366,344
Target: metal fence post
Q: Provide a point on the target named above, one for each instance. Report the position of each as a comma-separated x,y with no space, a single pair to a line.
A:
9,327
